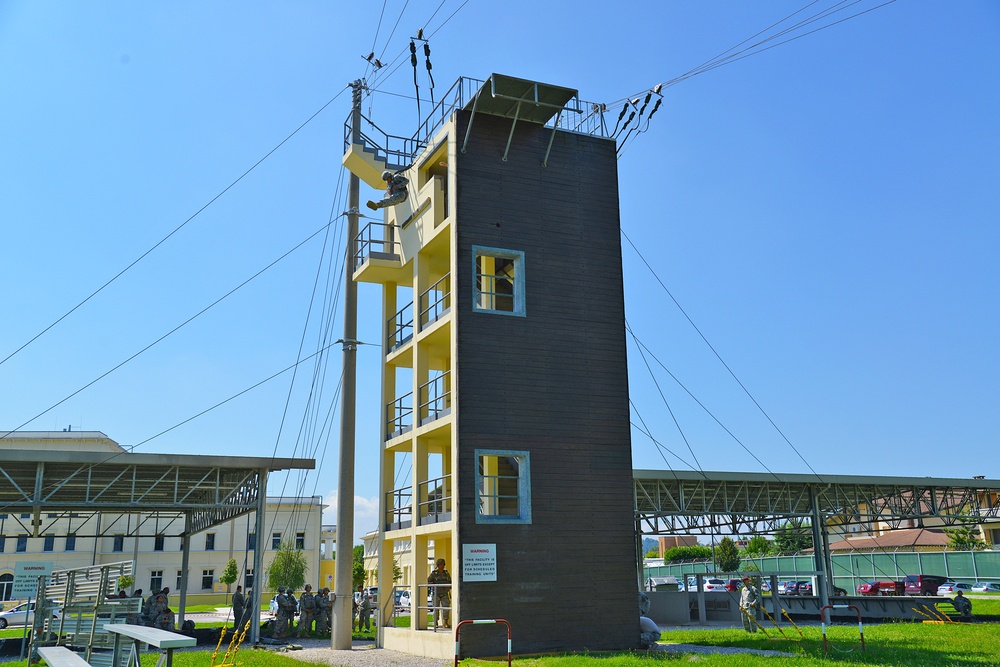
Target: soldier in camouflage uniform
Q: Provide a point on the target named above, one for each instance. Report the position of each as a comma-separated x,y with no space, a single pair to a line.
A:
293,606
440,580
159,612
395,191
307,611
323,605
281,615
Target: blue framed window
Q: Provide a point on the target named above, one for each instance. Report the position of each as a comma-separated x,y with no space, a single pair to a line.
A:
70,541
49,543
503,486
498,281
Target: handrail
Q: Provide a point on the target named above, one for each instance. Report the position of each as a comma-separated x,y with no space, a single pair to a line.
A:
431,311
399,416
368,243
399,504
434,399
400,330
437,506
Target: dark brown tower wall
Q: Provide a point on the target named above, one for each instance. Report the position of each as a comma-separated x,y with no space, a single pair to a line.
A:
553,383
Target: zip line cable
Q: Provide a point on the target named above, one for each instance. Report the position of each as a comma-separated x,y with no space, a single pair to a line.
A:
172,331
723,59
132,448
644,429
719,357
176,229
666,403
695,399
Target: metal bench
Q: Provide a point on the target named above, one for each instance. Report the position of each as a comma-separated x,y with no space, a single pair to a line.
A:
60,656
164,640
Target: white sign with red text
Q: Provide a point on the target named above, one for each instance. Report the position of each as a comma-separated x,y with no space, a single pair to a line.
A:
479,562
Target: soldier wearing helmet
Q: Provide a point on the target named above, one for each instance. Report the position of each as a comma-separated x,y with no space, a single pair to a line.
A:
395,191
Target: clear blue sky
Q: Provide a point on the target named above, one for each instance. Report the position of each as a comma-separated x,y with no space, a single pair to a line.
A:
826,213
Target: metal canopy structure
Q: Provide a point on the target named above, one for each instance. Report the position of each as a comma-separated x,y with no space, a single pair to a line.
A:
697,502
206,490
510,97
520,99
692,502
191,492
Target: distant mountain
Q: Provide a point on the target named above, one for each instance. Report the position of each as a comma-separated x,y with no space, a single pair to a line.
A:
649,543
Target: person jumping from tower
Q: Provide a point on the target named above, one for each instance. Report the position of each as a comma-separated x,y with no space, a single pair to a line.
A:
395,184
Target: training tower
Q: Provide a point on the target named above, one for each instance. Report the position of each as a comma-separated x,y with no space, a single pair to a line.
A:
505,439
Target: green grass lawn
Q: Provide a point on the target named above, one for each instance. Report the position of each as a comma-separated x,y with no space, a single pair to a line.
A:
895,644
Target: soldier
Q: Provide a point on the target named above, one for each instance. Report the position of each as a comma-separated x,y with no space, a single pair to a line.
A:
281,615
323,605
963,606
395,186
440,581
239,604
147,607
293,606
749,598
307,611
356,609
365,611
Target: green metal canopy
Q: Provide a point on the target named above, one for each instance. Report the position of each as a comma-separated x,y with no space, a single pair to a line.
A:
530,101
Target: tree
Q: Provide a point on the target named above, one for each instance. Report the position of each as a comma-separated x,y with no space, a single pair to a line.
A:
125,582
965,537
758,546
652,553
793,537
229,575
288,568
678,554
358,569
727,555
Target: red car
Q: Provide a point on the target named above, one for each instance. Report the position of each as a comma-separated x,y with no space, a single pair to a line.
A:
734,585
881,588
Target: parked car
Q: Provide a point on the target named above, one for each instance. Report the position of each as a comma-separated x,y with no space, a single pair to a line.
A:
16,615
922,584
804,588
986,587
765,586
837,590
734,585
953,587
402,601
787,587
715,585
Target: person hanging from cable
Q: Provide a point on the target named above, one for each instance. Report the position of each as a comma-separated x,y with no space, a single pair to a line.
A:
396,193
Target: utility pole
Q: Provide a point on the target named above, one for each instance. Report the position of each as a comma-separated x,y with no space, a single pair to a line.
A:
342,627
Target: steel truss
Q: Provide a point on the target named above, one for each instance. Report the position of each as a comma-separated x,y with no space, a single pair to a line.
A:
755,503
182,494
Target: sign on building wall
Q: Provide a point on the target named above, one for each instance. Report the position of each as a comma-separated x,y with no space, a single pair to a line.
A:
26,578
479,562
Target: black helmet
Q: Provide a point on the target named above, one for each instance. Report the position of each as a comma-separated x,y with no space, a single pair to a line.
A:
386,175
281,589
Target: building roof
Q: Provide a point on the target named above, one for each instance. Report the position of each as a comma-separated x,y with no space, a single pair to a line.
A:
894,539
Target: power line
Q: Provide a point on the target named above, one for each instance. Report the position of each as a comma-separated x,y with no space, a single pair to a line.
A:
175,230
172,331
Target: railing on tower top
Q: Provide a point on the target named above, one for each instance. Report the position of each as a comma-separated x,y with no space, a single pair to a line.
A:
398,151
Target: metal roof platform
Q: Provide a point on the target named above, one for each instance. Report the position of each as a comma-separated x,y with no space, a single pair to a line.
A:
693,502
207,490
